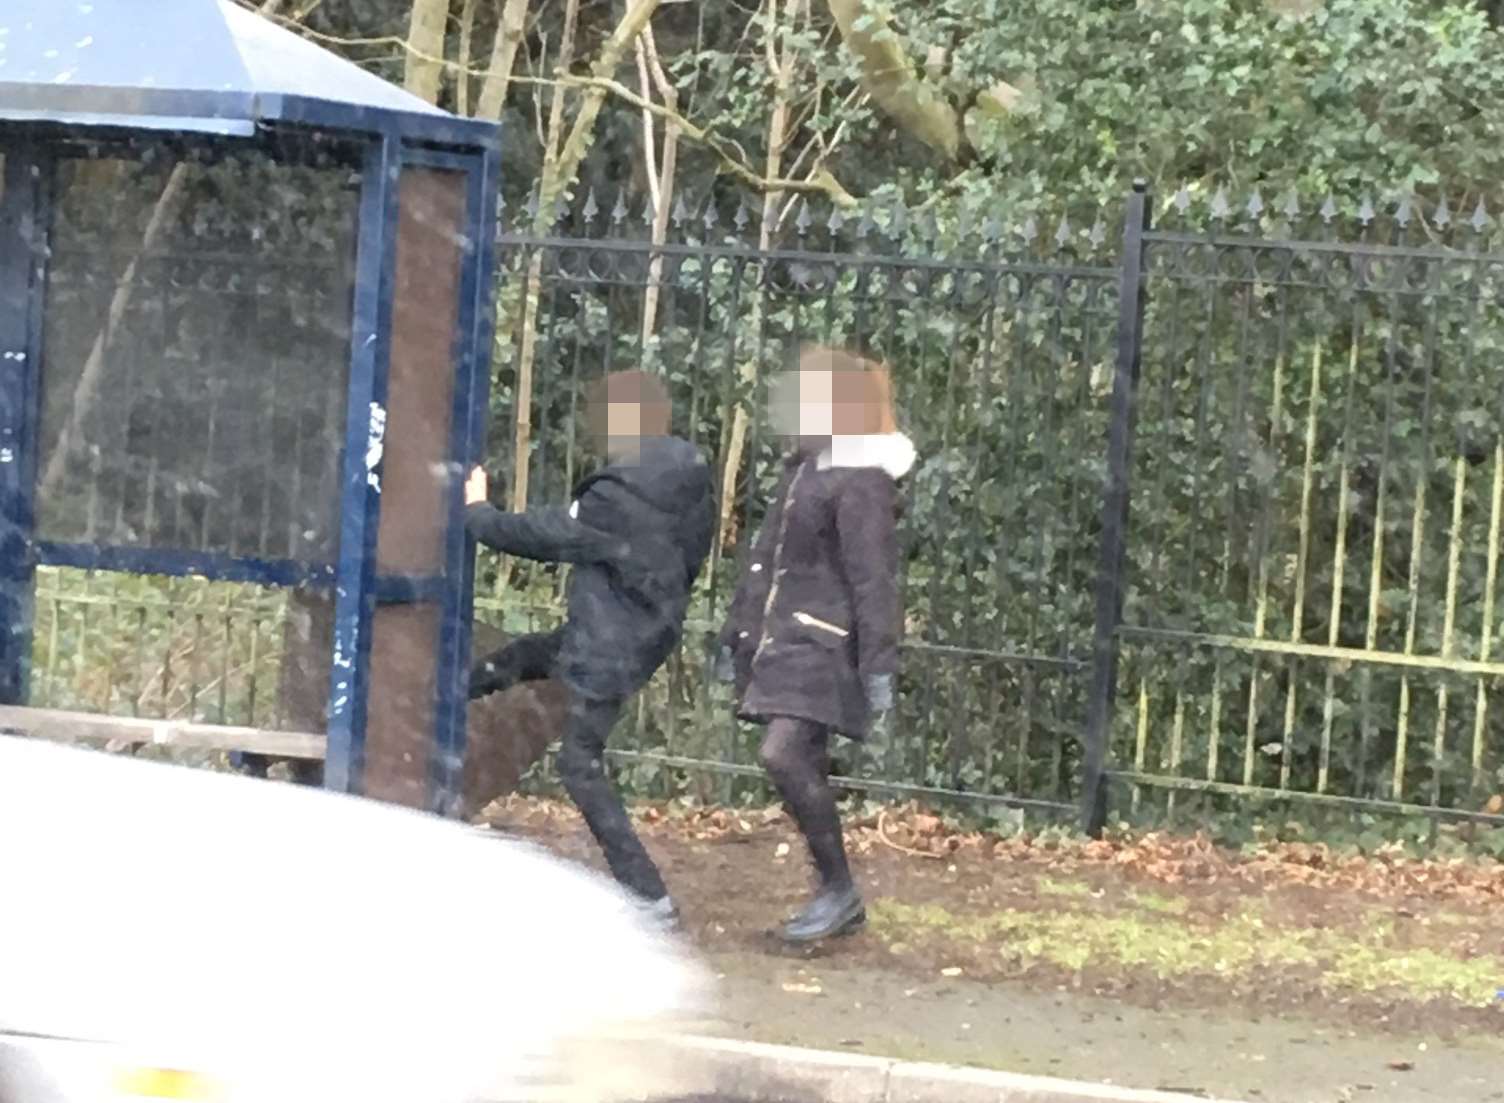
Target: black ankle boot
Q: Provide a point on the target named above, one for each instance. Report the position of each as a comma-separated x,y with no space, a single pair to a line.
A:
834,911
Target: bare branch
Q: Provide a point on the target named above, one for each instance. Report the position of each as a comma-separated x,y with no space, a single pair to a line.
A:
649,138
723,148
663,195
583,131
533,69
781,67
726,151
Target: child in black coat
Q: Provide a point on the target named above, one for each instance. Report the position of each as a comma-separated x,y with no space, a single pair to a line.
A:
637,532
811,639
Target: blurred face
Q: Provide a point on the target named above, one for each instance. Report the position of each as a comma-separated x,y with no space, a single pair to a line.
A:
617,428
802,404
623,408
816,404
623,419
856,410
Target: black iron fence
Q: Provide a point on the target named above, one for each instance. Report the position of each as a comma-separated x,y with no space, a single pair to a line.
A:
1207,511
1312,561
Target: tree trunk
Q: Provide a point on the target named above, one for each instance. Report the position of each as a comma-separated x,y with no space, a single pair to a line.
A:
781,67
522,436
462,71
493,92
916,106
558,173
425,48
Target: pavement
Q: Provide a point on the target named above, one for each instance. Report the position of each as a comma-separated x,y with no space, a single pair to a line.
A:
870,1017
950,1030
727,1071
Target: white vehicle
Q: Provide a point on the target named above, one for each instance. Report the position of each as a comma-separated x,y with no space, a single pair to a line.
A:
172,933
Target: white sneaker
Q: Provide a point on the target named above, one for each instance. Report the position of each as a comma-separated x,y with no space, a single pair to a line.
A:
661,913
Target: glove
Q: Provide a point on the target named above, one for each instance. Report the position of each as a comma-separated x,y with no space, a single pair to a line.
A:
725,666
880,693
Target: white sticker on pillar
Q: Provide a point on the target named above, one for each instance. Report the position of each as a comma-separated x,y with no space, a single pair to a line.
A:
375,445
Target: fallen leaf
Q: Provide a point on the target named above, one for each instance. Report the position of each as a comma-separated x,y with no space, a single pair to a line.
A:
1402,1066
926,824
803,989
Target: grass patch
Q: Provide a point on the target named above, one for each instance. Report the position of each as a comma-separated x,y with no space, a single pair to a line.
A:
1070,890
1168,946
1161,905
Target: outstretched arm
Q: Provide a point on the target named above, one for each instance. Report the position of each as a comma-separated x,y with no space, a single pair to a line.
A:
548,535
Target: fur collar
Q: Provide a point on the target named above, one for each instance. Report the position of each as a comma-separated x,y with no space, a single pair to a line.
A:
892,452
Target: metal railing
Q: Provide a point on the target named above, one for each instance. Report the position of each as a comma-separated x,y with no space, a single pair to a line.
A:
1319,421
163,648
993,350
1287,593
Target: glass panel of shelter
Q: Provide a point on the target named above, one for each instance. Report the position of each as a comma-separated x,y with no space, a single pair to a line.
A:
195,360
196,340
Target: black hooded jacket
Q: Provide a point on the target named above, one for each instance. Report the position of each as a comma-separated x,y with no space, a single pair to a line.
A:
637,533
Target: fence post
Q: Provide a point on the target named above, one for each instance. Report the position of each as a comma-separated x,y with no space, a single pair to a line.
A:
1109,603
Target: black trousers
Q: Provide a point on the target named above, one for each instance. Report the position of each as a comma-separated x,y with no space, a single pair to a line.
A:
581,756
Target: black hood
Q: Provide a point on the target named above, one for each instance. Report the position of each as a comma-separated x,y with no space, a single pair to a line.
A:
668,474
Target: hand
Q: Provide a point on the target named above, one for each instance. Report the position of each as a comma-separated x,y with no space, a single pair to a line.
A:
477,486
880,693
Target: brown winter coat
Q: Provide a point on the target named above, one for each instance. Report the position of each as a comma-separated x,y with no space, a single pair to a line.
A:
817,611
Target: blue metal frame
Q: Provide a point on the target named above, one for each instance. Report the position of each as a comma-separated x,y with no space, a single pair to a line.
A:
360,496
236,114
232,113
173,561
472,361
476,135
22,206
397,139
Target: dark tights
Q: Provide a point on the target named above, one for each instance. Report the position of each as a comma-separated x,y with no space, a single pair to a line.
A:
796,754
581,758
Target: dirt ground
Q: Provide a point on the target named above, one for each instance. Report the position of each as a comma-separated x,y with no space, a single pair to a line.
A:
1290,975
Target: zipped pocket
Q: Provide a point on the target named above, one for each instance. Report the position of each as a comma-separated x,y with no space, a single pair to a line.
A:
824,626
